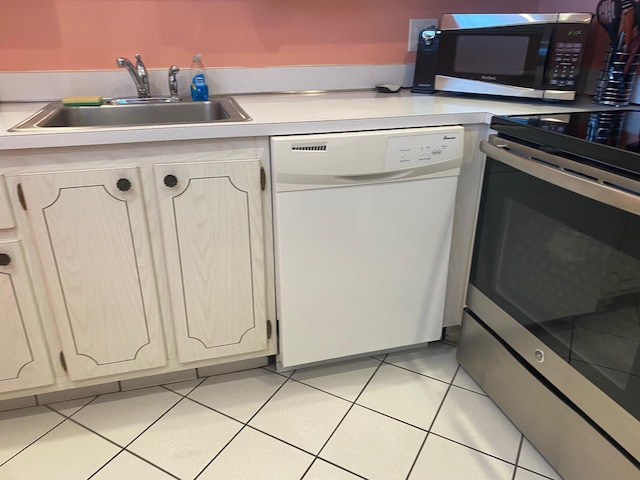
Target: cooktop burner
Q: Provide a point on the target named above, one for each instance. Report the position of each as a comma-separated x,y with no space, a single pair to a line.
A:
609,139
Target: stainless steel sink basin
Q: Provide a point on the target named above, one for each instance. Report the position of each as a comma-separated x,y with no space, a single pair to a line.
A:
57,116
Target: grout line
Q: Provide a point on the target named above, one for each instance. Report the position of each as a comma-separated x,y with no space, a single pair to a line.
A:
24,448
541,475
156,420
415,460
122,449
471,448
214,410
245,425
287,374
317,455
515,467
139,457
81,408
221,450
186,395
335,465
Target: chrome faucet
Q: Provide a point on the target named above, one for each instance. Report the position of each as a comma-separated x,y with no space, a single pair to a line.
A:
138,73
173,81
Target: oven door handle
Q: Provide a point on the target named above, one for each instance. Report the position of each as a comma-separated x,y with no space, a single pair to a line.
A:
609,193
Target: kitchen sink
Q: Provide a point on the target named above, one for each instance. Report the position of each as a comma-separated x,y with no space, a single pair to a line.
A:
58,116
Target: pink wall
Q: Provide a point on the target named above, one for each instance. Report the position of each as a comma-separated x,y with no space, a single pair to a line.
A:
90,34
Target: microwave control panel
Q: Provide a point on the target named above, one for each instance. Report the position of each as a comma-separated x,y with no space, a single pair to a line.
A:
567,49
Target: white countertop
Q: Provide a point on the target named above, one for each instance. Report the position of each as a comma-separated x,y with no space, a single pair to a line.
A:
282,114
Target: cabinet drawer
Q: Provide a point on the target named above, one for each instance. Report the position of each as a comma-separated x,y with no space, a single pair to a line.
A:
6,214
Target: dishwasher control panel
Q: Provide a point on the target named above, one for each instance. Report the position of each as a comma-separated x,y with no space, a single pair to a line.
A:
412,151
328,160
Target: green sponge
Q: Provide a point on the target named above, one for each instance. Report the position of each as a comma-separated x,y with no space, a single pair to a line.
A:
81,101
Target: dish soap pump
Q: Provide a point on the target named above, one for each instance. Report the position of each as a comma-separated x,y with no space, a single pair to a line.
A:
199,88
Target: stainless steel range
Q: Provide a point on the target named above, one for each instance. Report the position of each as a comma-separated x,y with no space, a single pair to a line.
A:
551,330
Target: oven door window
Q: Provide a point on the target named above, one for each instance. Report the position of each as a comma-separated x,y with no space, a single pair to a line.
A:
513,55
568,269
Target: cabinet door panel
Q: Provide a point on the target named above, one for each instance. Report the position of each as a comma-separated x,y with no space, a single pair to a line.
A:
95,249
212,228
24,361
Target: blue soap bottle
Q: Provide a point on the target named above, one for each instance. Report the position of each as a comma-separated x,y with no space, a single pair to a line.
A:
199,88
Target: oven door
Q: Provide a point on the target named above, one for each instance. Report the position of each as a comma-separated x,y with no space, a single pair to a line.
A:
556,275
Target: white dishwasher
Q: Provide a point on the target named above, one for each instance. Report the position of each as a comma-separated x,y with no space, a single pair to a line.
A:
362,225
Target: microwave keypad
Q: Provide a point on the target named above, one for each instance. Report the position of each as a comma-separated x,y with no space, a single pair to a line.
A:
564,66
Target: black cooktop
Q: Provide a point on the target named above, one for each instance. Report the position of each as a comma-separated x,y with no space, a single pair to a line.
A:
609,139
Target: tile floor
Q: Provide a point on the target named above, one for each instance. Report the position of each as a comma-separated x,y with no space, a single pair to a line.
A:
409,415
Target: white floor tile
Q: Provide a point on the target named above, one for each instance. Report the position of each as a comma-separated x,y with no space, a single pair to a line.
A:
522,474
404,395
254,455
321,470
436,360
67,452
345,379
464,380
70,407
123,416
19,428
443,459
186,439
474,420
374,446
532,460
301,415
239,395
128,466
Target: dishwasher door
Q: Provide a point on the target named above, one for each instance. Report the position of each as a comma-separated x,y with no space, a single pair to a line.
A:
363,231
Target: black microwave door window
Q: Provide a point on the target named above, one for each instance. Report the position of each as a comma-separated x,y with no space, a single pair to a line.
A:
513,55
567,268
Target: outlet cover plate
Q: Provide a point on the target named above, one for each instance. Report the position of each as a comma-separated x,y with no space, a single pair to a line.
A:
416,25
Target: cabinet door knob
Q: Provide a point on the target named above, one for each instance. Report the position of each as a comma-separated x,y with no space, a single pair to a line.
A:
4,259
123,184
170,181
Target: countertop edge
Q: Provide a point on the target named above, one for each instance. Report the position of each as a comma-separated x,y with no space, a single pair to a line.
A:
291,114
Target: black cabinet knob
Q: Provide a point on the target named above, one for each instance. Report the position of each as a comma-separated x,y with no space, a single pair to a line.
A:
4,259
170,181
123,184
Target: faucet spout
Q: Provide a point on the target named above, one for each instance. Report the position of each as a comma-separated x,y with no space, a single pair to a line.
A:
138,74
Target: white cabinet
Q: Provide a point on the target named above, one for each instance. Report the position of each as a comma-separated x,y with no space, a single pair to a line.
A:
211,216
91,232
24,359
144,260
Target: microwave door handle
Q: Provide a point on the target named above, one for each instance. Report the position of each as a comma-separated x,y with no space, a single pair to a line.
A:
563,176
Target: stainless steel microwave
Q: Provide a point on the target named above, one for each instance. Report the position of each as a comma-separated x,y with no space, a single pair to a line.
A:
531,55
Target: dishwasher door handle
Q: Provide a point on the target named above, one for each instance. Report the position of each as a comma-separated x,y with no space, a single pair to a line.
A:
289,181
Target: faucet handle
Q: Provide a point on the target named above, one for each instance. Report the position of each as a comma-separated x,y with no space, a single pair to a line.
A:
173,81
143,75
142,70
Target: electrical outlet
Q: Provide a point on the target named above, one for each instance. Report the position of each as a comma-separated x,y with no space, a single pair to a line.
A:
416,25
